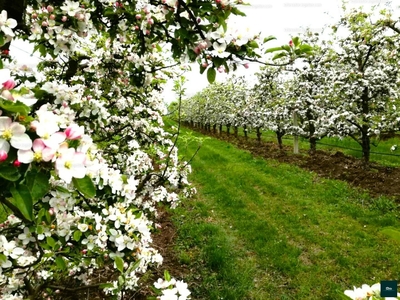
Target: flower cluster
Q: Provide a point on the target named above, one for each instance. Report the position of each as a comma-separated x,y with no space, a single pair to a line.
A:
171,289
366,292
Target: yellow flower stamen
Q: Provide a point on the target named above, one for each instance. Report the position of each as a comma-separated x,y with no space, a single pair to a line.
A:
7,134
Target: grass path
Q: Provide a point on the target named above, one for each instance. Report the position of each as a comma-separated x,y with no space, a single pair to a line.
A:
263,230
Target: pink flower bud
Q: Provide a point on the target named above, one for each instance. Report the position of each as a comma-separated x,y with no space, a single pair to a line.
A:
51,211
52,17
204,65
138,17
246,65
34,16
64,19
45,24
147,32
136,28
3,155
7,95
9,84
150,21
80,16
290,43
84,251
16,163
50,8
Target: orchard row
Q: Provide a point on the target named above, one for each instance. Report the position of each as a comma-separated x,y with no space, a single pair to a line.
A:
348,87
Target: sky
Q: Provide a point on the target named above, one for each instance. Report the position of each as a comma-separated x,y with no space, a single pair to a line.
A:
280,18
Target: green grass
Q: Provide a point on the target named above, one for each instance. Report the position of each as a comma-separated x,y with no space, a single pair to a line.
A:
265,230
336,144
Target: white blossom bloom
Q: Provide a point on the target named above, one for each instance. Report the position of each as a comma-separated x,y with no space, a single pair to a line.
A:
14,133
70,164
7,24
70,8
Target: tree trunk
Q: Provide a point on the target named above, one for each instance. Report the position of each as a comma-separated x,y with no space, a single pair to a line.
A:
311,131
365,144
245,131
228,128
215,128
279,135
220,128
258,134
313,145
235,131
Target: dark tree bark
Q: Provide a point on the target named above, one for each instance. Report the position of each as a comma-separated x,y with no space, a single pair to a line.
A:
258,134
279,136
235,131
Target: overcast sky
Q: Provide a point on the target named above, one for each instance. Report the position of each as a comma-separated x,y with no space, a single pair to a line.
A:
280,18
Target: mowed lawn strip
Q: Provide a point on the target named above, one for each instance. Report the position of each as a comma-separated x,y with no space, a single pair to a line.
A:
263,230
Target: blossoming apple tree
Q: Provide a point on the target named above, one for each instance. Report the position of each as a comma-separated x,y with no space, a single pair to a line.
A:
366,78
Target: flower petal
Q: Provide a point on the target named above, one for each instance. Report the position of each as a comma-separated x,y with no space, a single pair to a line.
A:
21,141
25,156
4,145
4,123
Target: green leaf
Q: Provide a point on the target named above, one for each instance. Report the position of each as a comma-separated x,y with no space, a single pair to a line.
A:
119,263
296,41
3,258
269,38
273,49
15,107
106,285
62,189
9,173
38,184
77,235
108,12
202,69
23,200
50,241
167,277
253,44
237,12
121,280
306,48
134,266
280,55
211,74
85,186
61,263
